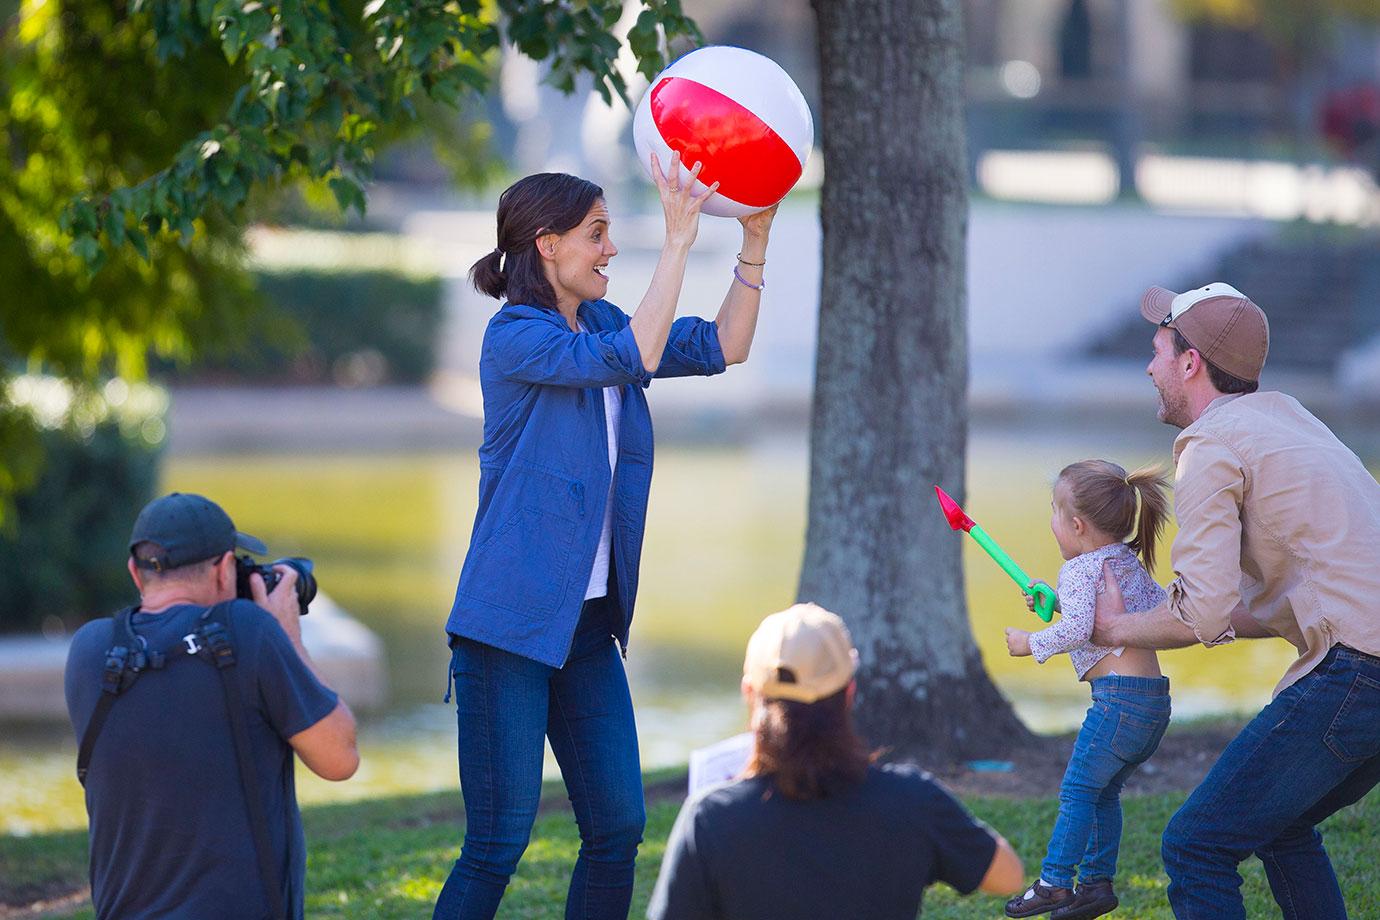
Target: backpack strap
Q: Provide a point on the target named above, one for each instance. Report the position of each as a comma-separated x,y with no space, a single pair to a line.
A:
216,637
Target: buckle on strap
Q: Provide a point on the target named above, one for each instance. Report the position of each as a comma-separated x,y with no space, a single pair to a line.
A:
122,666
112,677
218,642
192,646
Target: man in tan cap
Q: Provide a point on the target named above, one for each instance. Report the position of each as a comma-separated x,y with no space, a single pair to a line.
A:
814,828
1279,536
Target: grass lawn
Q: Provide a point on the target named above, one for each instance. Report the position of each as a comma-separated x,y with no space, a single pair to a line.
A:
387,858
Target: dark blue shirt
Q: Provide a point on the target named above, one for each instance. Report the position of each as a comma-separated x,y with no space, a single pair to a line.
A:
743,851
169,830
544,471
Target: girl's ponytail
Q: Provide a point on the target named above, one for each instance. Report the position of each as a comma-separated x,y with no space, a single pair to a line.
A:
488,277
1104,496
1151,483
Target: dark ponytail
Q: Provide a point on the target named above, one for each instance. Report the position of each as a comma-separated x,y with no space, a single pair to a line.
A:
487,275
810,750
531,207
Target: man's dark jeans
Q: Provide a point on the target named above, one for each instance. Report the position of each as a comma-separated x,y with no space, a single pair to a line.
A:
507,707
1312,751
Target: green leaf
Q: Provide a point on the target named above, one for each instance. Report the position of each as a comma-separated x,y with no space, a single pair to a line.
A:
115,227
348,193
233,38
139,241
88,250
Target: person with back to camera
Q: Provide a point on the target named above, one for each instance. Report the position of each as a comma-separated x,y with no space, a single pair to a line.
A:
1094,512
188,765
814,829
546,592
1278,527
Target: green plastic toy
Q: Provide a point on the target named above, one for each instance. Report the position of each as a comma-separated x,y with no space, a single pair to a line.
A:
1046,600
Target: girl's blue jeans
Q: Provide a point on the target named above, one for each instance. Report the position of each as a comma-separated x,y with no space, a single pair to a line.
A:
1122,728
507,707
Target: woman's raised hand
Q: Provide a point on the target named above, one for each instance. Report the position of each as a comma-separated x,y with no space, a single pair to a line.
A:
681,206
759,224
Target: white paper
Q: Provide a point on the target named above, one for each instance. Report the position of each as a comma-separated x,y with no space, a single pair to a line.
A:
719,762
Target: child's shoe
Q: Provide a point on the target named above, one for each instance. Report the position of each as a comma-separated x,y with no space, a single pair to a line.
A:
1039,898
1092,899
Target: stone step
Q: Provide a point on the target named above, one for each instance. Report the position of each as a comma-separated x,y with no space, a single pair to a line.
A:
1323,300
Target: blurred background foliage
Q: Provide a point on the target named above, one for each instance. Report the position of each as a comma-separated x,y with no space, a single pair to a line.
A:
323,328
101,449
121,221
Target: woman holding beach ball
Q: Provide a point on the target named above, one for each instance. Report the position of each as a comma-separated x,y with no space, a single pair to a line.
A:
546,592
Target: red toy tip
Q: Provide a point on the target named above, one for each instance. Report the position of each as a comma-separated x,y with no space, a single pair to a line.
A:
957,519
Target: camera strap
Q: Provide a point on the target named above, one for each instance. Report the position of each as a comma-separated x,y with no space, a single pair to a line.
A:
217,638
212,641
124,662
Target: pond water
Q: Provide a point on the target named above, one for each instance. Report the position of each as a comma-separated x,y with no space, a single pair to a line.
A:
723,548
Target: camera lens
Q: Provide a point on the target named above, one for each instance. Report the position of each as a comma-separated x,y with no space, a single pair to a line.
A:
305,588
306,581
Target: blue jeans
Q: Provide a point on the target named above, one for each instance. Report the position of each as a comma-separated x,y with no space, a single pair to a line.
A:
1313,750
507,707
1123,727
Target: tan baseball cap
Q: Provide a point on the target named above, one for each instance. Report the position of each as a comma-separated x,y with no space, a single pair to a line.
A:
1224,325
803,654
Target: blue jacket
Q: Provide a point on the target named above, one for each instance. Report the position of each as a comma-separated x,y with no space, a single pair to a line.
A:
544,471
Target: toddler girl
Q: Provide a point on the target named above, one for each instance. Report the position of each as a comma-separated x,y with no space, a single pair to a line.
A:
1094,512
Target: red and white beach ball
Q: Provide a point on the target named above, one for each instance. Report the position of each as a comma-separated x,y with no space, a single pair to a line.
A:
736,112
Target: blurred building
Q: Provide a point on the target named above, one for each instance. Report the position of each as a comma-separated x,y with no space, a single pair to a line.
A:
1218,134
1102,83
1130,77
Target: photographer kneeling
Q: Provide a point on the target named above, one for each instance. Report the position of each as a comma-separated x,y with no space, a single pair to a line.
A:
188,765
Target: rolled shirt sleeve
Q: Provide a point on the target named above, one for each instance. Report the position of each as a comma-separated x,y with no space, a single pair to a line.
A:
1210,486
692,349
533,349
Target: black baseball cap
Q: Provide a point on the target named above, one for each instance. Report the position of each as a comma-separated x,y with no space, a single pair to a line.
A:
188,528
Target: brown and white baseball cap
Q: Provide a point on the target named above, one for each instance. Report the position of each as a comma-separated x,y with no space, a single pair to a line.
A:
803,654
1224,325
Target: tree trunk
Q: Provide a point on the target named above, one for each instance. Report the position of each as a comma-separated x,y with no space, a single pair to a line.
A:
891,376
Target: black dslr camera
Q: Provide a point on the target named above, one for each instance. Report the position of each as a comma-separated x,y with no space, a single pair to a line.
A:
305,586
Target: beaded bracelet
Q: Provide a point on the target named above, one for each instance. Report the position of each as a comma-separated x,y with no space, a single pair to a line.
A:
753,264
746,283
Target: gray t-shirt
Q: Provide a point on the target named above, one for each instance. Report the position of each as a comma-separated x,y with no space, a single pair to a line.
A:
743,851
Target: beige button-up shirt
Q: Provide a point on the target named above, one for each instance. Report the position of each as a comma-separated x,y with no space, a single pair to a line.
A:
1277,514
